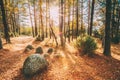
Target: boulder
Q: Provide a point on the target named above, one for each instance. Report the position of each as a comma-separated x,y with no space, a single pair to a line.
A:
33,64
39,50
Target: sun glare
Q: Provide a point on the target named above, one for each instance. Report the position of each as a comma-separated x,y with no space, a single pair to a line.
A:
54,14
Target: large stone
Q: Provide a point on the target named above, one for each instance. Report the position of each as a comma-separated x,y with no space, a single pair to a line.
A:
33,64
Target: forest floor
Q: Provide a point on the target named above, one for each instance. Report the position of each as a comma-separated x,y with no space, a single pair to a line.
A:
67,66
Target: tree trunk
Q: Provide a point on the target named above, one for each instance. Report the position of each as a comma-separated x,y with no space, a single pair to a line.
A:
41,17
107,43
88,17
52,32
35,22
6,27
31,19
113,20
46,17
92,15
61,24
77,19
73,21
1,43
68,21
65,20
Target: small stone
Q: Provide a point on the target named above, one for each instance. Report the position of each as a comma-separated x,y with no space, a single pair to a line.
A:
50,50
39,50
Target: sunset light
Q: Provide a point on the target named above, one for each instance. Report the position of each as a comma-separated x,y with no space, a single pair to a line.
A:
59,39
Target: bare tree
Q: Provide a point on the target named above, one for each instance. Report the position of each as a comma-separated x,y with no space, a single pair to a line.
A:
31,19
1,46
107,41
92,15
6,27
61,24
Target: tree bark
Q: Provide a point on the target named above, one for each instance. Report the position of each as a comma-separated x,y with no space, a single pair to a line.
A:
1,46
52,32
73,21
77,19
61,24
107,44
35,21
92,15
68,21
31,19
88,17
6,27
41,17
46,17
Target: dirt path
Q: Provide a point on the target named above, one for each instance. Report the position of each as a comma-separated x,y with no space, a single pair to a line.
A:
12,57
67,65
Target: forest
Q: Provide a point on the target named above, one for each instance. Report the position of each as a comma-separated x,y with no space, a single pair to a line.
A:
59,39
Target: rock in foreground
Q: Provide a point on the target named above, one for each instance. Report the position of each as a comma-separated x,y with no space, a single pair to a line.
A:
33,64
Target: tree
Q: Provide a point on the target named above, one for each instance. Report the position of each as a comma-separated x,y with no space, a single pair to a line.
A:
6,27
72,20
82,15
107,41
88,16
77,17
61,24
92,15
41,19
31,19
35,21
1,43
68,21
46,17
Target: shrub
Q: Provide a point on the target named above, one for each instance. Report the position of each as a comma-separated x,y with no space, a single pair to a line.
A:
39,50
86,44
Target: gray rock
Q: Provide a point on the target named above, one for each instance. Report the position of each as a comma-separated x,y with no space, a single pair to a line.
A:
33,64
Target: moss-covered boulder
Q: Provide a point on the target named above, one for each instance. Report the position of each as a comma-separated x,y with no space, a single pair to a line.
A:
50,50
33,64
39,50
